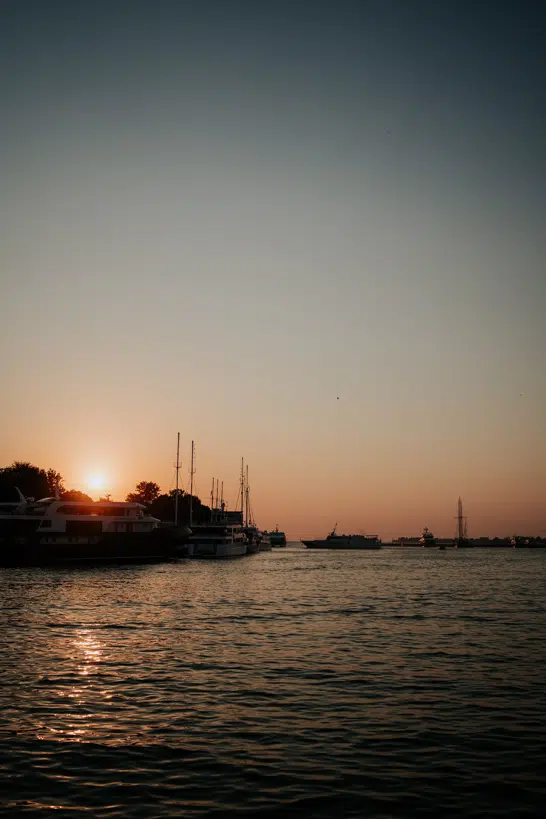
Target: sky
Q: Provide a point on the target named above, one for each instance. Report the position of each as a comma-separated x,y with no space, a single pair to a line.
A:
309,234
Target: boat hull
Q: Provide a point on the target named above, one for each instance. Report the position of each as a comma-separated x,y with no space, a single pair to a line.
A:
215,551
343,546
60,549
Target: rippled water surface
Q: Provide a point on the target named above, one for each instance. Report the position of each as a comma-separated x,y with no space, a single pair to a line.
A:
381,684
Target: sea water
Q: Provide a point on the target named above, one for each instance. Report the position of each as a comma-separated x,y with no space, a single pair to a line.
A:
397,683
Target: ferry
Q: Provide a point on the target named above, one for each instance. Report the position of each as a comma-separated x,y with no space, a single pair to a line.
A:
53,530
335,541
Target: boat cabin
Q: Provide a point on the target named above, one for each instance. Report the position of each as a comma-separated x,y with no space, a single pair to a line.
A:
54,515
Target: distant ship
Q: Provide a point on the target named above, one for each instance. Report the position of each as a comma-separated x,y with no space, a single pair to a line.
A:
335,541
277,538
427,538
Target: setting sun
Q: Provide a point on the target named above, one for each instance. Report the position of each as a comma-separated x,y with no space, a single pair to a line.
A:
96,482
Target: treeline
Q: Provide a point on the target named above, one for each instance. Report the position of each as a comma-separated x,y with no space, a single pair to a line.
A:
162,506
36,483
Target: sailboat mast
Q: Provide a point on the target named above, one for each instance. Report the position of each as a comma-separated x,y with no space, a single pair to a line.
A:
177,479
242,487
191,483
246,497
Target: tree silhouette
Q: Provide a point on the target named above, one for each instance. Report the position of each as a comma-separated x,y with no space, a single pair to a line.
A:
40,483
146,492
29,479
164,506
54,483
76,495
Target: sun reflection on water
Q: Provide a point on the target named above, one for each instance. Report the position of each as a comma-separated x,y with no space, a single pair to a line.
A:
89,649
77,721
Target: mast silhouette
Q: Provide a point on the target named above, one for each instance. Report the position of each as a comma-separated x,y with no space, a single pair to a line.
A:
242,489
177,477
191,482
246,498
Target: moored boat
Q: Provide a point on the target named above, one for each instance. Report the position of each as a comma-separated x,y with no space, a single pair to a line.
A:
253,544
258,540
53,530
217,539
265,542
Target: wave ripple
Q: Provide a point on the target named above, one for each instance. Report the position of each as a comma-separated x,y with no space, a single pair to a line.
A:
383,684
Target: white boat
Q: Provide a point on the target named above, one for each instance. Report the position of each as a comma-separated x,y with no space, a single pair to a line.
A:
53,530
223,536
335,541
217,540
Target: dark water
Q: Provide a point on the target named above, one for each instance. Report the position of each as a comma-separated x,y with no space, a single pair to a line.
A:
380,684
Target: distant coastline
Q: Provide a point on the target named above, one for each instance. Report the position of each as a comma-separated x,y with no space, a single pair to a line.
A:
36,482
475,543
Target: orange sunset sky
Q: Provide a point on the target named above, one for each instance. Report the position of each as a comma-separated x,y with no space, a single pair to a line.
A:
319,246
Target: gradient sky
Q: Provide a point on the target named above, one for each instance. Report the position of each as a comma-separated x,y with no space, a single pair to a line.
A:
219,216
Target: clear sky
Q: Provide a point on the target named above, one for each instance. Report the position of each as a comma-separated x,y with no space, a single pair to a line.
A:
309,234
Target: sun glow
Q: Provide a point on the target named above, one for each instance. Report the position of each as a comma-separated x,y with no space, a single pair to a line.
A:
96,482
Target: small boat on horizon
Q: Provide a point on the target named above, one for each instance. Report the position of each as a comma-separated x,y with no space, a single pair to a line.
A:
427,538
277,538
